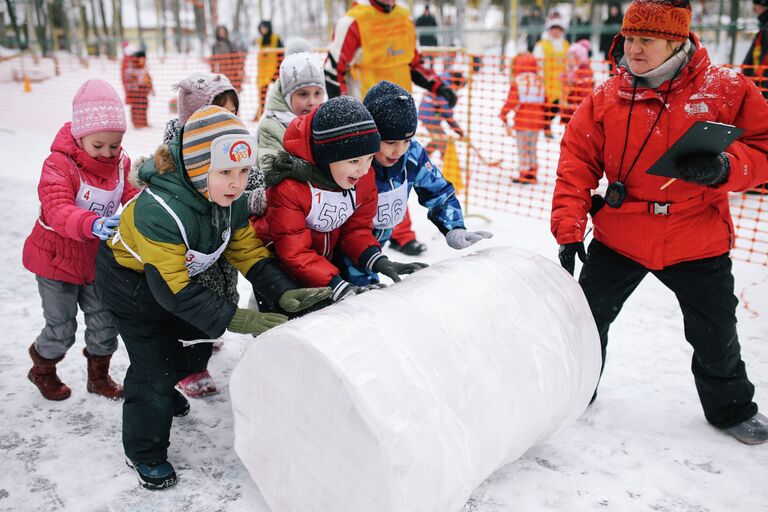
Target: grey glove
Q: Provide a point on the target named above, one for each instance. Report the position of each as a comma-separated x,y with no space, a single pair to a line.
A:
348,290
248,321
300,299
394,270
284,165
461,238
704,169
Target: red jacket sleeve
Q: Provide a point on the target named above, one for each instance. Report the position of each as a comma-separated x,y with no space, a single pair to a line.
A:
288,205
357,232
58,208
341,54
423,76
749,166
578,173
511,102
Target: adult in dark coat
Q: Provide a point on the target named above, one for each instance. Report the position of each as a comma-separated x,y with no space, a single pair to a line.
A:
611,27
534,23
427,19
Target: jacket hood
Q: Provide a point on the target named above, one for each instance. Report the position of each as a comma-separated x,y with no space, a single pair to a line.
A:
276,100
165,172
298,137
66,144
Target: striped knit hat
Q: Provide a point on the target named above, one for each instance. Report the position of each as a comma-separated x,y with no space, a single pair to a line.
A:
215,139
343,129
659,19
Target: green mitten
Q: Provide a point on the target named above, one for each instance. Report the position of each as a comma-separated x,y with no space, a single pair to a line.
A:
303,298
248,321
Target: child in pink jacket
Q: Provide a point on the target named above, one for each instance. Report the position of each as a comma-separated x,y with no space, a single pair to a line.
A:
83,183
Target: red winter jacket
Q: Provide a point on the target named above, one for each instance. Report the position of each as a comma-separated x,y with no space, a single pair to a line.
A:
68,251
306,253
699,222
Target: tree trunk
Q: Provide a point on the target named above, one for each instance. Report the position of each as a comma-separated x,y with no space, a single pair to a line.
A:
96,32
15,24
160,8
199,11
176,8
138,24
41,27
118,32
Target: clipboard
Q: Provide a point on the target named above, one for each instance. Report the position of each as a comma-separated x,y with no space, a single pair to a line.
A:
704,137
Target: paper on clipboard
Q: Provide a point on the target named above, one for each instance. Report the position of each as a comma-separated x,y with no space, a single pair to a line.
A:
704,137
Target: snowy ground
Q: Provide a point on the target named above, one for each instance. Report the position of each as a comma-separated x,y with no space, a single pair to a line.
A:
644,445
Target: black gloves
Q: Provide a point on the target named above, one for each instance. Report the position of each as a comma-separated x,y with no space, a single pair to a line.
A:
704,169
447,93
393,269
567,255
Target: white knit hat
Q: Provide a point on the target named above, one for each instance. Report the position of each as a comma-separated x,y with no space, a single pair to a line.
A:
299,69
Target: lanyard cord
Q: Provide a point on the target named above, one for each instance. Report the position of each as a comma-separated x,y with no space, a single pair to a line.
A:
629,119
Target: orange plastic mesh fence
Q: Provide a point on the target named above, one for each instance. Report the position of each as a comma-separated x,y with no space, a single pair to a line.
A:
499,150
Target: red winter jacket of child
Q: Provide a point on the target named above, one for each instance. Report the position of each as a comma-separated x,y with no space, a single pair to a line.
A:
67,251
304,252
698,221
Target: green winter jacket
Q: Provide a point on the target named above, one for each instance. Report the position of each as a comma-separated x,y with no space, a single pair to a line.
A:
148,230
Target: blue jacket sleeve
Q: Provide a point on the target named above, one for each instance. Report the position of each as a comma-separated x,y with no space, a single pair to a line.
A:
434,191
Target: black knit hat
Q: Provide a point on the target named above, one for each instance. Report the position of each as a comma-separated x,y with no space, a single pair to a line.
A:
764,3
343,129
393,110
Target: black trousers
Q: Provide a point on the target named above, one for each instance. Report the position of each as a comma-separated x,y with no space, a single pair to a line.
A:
704,290
158,360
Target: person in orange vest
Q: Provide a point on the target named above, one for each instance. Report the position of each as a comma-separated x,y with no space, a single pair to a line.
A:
374,41
551,51
269,62
756,63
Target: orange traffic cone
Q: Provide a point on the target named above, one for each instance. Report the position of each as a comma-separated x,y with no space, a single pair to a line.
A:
27,86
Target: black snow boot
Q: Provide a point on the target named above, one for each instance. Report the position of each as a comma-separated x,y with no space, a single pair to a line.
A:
154,475
752,431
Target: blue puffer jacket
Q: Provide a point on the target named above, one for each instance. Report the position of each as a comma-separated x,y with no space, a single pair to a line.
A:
434,191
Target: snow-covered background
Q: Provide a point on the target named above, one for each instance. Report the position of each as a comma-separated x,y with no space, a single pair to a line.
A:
643,445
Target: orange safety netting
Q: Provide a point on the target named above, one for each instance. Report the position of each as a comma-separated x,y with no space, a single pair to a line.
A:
500,150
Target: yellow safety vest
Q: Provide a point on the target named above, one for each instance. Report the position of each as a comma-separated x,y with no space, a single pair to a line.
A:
267,61
387,46
554,67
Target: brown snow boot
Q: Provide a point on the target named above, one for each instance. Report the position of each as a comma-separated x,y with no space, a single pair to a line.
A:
43,375
99,381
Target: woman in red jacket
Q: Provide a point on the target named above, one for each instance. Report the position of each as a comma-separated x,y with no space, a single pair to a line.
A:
683,233
307,220
82,185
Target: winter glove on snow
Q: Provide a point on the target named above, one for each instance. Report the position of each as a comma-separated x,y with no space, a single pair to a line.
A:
300,299
248,321
461,238
567,255
104,227
449,95
394,270
704,169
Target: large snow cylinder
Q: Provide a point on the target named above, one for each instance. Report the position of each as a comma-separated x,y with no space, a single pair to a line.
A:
406,399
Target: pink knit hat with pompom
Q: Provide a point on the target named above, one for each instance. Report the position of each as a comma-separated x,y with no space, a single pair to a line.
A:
96,108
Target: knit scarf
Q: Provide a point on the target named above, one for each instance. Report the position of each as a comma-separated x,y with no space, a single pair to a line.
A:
667,70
